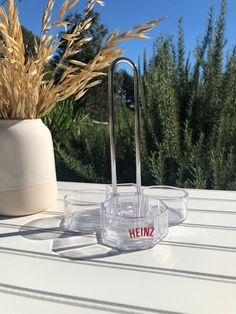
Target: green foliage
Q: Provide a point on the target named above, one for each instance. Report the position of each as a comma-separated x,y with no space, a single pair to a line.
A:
75,143
97,32
188,118
203,112
29,41
82,145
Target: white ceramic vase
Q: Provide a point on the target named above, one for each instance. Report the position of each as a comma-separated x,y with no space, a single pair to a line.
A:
27,167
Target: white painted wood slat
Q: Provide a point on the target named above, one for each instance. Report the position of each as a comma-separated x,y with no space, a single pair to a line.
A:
193,270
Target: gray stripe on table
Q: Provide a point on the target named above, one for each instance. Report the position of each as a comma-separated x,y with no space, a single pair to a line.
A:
199,246
126,267
212,211
205,226
79,301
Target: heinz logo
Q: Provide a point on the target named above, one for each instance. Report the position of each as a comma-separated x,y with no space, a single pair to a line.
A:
141,232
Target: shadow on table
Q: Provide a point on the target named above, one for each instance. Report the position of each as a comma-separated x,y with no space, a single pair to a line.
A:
6,217
67,244
42,229
37,229
82,246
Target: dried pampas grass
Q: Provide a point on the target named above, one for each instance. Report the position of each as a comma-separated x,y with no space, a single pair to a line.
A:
25,93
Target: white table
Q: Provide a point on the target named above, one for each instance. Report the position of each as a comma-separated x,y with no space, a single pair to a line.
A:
193,270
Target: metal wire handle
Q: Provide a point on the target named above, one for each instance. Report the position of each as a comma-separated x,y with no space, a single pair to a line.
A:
112,122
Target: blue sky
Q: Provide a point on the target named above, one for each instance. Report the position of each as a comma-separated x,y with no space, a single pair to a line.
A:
127,13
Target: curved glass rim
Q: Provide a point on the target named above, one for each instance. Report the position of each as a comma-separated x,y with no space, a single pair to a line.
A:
68,197
184,196
123,184
163,207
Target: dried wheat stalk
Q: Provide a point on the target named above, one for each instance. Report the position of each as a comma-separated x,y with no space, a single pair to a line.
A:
24,91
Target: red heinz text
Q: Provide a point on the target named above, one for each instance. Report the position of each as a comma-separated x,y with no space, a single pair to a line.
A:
141,232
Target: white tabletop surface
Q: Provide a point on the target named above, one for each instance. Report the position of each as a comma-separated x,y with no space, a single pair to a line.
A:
193,270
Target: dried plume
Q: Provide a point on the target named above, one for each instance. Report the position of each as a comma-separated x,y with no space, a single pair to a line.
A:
25,93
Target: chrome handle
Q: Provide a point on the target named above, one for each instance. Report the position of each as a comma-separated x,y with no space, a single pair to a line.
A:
112,122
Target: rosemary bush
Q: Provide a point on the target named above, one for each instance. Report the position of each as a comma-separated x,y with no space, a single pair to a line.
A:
188,119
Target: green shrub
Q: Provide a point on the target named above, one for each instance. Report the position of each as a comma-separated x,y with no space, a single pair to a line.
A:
188,119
